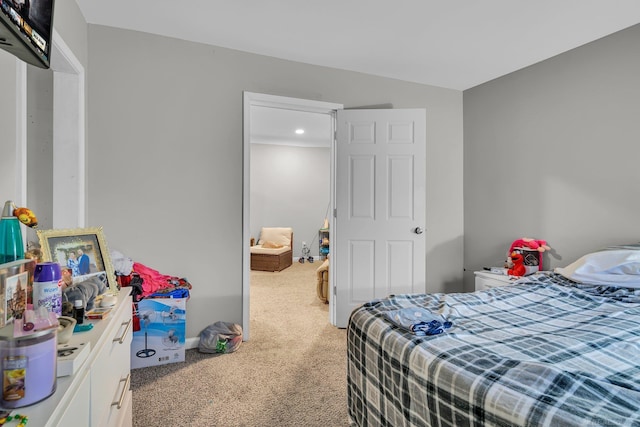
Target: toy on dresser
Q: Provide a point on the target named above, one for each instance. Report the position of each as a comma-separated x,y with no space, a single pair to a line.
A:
86,290
525,256
518,268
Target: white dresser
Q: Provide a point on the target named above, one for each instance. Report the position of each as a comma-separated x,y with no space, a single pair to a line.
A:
486,280
98,394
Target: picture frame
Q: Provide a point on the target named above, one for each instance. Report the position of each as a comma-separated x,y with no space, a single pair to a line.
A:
16,281
83,251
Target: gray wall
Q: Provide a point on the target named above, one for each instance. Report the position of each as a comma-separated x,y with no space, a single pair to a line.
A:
72,28
551,152
39,148
290,187
8,121
165,156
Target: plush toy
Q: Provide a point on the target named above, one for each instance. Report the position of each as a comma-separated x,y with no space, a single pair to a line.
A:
518,268
26,216
538,245
530,244
525,242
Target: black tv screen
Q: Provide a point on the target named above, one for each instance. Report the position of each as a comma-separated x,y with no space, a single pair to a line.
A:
26,30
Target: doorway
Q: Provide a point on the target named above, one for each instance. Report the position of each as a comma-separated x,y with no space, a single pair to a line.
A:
274,102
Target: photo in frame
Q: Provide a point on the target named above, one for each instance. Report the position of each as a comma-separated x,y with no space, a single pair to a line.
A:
83,252
16,281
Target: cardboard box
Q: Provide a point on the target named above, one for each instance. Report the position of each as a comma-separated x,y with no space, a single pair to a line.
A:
159,332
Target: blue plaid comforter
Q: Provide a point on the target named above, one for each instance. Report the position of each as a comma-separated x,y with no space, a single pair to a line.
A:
542,352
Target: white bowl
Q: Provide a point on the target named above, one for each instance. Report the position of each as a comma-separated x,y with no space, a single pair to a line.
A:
65,328
108,300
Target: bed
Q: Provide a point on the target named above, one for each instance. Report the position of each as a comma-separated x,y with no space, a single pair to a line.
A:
546,351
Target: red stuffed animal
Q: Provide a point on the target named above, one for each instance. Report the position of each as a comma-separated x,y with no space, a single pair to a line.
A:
531,244
518,268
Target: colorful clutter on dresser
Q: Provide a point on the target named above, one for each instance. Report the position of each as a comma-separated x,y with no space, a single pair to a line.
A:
525,256
146,282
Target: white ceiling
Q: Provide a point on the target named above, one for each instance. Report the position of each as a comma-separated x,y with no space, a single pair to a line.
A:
454,44
278,126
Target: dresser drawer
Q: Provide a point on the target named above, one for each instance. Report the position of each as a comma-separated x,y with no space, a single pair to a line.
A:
110,376
486,280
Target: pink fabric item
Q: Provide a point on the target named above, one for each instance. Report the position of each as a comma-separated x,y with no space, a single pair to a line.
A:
152,280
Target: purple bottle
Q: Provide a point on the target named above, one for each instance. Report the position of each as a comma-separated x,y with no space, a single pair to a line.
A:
46,291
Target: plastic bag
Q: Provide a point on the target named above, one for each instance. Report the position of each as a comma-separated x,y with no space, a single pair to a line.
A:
220,337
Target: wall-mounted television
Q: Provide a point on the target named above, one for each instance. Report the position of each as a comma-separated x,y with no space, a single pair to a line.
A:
25,30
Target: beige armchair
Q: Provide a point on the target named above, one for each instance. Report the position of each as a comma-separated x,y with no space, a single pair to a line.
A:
274,251
323,281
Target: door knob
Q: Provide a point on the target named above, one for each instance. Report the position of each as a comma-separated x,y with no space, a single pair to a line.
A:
418,230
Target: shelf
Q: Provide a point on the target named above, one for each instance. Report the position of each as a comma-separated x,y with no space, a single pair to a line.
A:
323,242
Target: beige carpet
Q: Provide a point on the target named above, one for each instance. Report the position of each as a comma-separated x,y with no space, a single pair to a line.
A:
292,372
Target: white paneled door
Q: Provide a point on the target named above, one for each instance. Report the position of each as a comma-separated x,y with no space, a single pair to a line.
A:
379,246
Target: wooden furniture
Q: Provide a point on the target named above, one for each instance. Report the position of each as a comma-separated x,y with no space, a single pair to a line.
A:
274,251
322,274
98,394
486,280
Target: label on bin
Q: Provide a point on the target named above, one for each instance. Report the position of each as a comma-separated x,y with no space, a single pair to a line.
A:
14,376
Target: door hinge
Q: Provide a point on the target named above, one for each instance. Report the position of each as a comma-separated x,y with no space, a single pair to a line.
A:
335,290
335,213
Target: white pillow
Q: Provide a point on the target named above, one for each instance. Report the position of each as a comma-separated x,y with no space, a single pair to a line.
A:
277,235
611,267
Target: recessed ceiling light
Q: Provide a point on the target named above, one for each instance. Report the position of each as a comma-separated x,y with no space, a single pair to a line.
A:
299,131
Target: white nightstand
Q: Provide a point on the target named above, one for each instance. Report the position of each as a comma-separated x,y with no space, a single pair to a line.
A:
486,280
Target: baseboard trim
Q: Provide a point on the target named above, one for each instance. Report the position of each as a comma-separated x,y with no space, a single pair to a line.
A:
190,343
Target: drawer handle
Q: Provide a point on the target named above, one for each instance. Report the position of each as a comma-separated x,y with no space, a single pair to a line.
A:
124,334
127,382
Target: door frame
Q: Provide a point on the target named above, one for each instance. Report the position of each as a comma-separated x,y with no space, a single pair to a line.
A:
264,100
69,146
